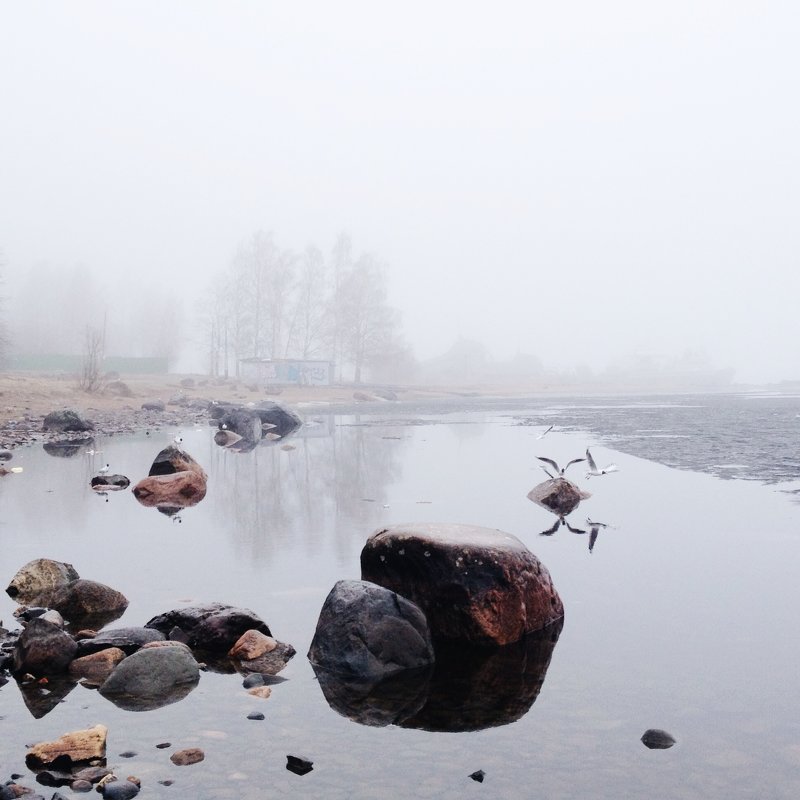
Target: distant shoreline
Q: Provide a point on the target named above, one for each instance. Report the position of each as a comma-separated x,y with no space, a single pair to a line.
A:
25,399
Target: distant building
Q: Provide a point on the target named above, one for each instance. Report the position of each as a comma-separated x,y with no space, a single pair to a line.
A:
273,371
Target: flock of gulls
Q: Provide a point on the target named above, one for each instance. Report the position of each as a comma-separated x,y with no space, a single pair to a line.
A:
554,471
594,470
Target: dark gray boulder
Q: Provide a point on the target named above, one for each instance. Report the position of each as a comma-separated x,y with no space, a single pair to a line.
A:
370,632
110,482
474,584
154,405
43,649
657,739
174,459
128,640
284,420
151,678
243,422
66,420
119,790
215,627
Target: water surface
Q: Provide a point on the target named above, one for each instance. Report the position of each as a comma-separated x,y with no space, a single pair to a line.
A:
682,617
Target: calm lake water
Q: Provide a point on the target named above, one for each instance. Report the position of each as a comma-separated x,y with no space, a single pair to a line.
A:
683,616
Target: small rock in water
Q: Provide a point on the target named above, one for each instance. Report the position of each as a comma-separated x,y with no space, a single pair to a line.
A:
128,754
656,739
255,715
81,786
183,758
120,790
164,745
478,775
253,679
299,765
260,691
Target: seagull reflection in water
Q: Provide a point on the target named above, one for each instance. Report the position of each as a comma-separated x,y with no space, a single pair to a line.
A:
593,529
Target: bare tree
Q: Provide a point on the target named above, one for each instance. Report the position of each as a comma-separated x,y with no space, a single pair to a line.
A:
368,323
90,377
307,328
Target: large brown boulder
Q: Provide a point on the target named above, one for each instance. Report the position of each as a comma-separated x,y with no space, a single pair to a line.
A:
474,584
179,490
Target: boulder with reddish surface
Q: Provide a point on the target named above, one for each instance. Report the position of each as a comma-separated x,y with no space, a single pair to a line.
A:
557,495
181,490
175,480
474,584
214,627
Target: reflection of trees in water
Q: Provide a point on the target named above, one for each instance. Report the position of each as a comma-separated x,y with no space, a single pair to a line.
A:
327,489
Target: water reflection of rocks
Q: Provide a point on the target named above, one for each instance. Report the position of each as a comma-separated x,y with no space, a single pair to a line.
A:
468,689
319,486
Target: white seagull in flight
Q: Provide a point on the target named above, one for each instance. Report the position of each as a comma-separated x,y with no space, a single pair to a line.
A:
544,433
593,468
559,472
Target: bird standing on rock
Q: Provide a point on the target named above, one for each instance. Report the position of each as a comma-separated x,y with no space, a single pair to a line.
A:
104,470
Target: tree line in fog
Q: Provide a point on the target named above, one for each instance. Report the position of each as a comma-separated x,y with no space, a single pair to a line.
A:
274,303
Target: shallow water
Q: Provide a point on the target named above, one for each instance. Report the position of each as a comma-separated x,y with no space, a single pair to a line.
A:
682,616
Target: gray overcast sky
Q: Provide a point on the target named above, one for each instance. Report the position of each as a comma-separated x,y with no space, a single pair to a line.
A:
579,180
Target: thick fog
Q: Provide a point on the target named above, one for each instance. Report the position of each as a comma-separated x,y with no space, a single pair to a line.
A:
583,182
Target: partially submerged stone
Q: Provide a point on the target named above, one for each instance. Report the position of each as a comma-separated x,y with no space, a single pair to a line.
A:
38,576
178,490
43,649
657,739
558,495
129,640
77,747
187,757
112,483
474,584
85,600
152,678
215,627
370,632
252,644
95,668
66,420
174,459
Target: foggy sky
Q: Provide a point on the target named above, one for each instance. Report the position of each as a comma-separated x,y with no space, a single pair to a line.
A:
578,180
